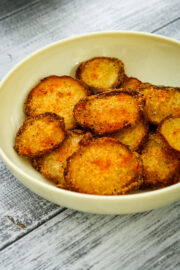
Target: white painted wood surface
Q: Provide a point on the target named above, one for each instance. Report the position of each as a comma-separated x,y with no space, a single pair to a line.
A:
36,234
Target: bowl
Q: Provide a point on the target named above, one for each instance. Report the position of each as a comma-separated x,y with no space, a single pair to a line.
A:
151,58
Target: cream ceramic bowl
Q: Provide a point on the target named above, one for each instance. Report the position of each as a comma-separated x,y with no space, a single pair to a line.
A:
148,57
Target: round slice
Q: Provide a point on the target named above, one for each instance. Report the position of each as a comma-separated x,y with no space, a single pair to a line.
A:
161,102
104,167
160,163
170,129
108,112
131,83
101,73
57,95
39,135
52,165
133,137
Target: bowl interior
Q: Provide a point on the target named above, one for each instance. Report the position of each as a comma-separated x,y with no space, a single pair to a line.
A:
149,58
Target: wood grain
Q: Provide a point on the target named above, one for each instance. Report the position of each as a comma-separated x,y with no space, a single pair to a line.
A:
20,210
85,241
171,30
36,234
32,25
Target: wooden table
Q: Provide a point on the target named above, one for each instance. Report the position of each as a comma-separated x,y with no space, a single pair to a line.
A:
37,234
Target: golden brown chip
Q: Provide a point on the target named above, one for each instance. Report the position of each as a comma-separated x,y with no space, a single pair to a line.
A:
134,136
57,95
52,165
101,73
108,112
161,102
160,163
170,129
131,83
39,135
104,167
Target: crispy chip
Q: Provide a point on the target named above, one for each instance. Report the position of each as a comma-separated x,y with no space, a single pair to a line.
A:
160,163
161,102
170,129
101,73
104,167
135,136
108,112
131,83
52,165
39,135
57,95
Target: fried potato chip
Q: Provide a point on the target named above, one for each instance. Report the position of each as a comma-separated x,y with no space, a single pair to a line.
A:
161,102
135,136
104,167
108,112
160,163
131,83
52,165
170,130
57,95
101,73
39,135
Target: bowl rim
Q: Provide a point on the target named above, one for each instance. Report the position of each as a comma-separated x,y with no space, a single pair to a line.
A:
52,188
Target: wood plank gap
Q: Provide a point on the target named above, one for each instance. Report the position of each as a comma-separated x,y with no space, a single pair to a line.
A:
31,4
39,225
163,26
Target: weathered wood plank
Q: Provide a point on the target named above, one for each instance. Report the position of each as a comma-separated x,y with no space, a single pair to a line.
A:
171,30
9,8
20,209
73,240
33,24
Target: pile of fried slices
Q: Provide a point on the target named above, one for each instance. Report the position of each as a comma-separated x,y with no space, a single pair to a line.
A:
102,133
